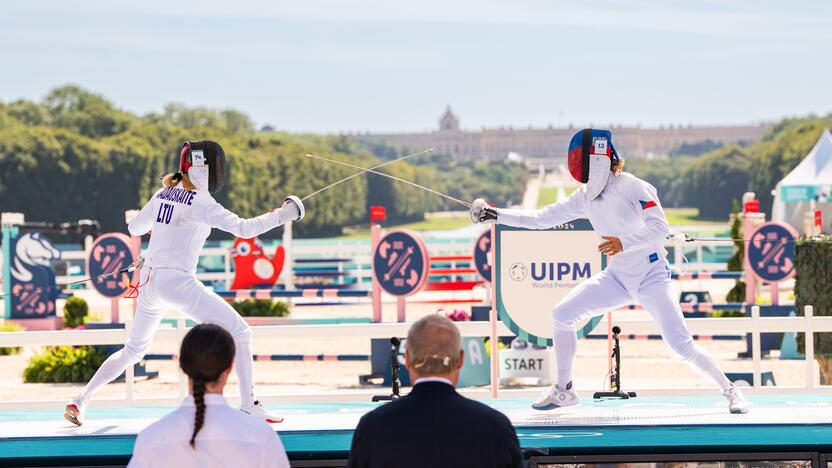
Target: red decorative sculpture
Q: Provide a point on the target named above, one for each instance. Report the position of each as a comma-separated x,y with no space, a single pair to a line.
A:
252,268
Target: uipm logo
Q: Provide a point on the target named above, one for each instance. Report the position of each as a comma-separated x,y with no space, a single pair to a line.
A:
518,272
551,271
560,271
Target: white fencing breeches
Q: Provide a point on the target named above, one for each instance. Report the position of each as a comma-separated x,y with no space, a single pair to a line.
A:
605,292
176,289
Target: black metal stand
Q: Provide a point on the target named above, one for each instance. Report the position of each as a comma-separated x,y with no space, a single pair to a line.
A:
394,371
615,378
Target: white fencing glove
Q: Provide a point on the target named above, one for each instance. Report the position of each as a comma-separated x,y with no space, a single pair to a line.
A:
482,213
294,208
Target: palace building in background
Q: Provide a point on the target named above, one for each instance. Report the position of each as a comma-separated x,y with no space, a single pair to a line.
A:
551,143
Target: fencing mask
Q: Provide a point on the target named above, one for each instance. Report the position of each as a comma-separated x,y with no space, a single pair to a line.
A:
204,162
590,158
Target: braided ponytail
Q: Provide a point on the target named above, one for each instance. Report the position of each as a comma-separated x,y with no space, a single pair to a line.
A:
207,352
172,180
199,402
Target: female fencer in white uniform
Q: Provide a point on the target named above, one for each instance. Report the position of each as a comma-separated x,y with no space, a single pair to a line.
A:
625,211
179,217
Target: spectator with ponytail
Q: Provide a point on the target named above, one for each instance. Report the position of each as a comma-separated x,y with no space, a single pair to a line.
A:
205,431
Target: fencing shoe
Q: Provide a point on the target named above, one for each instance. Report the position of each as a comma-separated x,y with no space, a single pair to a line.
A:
74,411
736,401
557,397
258,411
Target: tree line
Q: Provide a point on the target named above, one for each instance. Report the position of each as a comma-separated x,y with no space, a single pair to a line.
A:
712,181
75,155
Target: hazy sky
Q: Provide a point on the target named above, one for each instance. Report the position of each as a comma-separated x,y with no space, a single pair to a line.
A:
390,65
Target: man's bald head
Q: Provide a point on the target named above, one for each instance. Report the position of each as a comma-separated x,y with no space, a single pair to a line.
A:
434,346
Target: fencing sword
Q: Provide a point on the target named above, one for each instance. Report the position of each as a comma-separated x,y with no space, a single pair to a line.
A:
685,237
373,171
363,171
128,269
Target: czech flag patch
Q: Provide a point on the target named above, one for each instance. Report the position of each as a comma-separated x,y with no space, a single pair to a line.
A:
647,204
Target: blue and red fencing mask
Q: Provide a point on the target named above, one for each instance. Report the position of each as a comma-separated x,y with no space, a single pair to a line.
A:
591,155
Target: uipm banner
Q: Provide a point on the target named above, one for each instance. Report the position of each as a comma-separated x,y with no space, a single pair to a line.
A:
536,269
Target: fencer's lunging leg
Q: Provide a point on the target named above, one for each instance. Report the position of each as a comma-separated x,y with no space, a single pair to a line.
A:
148,316
657,296
595,296
208,307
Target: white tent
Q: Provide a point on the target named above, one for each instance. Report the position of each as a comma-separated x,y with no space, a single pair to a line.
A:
810,180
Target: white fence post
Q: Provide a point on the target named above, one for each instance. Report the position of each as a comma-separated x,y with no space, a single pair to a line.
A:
226,256
755,344
183,381
289,258
809,312
129,373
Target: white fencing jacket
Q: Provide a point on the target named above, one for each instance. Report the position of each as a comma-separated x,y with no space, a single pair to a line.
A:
182,219
228,437
628,208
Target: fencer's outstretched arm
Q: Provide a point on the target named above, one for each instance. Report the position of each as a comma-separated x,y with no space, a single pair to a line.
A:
215,215
656,229
545,218
143,222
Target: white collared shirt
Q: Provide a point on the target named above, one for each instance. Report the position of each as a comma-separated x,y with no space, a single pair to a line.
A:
228,437
432,379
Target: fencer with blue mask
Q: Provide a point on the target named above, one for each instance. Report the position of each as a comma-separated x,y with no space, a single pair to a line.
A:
625,211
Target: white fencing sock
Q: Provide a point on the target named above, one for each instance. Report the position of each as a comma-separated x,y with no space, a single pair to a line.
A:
566,346
704,364
243,363
109,371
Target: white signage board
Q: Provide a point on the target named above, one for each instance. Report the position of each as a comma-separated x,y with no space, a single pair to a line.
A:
536,269
525,363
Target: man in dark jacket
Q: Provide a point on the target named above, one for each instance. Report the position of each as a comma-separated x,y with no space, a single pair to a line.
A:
434,426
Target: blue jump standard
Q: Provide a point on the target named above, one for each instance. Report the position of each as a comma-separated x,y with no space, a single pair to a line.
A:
323,431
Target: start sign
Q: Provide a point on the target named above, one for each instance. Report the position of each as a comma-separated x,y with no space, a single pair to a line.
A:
400,263
109,254
524,363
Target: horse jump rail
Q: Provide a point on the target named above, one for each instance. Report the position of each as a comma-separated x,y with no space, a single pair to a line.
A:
703,275
700,307
278,357
272,293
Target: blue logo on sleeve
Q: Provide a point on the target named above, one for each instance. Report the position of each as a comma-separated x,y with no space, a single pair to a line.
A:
654,257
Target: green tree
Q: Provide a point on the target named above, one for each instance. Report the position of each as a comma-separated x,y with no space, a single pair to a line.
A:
86,113
736,262
75,155
813,276
29,113
712,181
